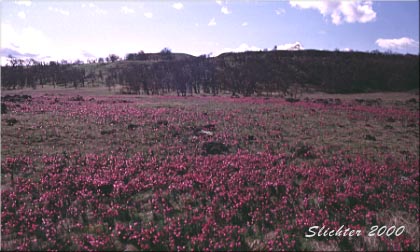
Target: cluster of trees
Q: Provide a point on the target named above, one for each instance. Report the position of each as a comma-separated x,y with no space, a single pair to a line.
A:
351,72
249,73
31,73
285,72
185,76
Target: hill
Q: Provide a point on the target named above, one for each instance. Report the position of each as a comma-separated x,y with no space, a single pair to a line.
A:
246,73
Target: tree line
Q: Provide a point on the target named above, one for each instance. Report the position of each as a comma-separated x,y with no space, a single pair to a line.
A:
248,73
31,73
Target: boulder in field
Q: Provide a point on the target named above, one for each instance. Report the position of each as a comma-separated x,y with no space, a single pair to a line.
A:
77,98
11,121
160,123
206,132
292,100
370,138
108,132
412,101
251,138
3,108
132,126
106,189
210,127
215,148
16,98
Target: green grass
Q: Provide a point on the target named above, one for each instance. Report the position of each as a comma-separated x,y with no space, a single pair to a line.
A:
253,125
273,126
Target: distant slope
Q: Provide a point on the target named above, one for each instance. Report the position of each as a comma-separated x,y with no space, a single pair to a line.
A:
245,73
333,71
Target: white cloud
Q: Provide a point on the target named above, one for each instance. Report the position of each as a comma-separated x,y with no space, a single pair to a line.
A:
101,11
96,9
30,42
341,11
178,6
58,10
212,22
26,40
219,2
225,10
399,43
244,47
291,46
245,24
148,14
21,14
126,10
90,5
280,11
26,3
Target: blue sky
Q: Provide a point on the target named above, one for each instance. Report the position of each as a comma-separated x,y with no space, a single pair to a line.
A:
55,30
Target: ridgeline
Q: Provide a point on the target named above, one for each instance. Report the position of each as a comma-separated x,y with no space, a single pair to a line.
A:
247,73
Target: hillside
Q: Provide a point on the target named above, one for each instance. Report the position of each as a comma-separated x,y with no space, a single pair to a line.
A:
247,73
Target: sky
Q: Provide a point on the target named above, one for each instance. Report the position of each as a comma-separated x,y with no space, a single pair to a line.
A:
71,30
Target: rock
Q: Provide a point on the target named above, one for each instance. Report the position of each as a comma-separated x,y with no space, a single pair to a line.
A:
162,122
412,100
11,121
303,151
16,98
108,132
77,98
132,126
174,132
370,138
214,148
3,108
329,101
390,119
292,100
131,247
388,127
211,127
117,244
360,101
369,102
206,129
106,189
337,101
205,132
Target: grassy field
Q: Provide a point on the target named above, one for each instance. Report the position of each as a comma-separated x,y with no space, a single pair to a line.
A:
89,169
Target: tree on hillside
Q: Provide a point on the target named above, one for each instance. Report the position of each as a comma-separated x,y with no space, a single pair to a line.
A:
166,53
113,57
166,50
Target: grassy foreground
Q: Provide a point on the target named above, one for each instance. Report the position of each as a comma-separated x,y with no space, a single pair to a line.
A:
108,172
